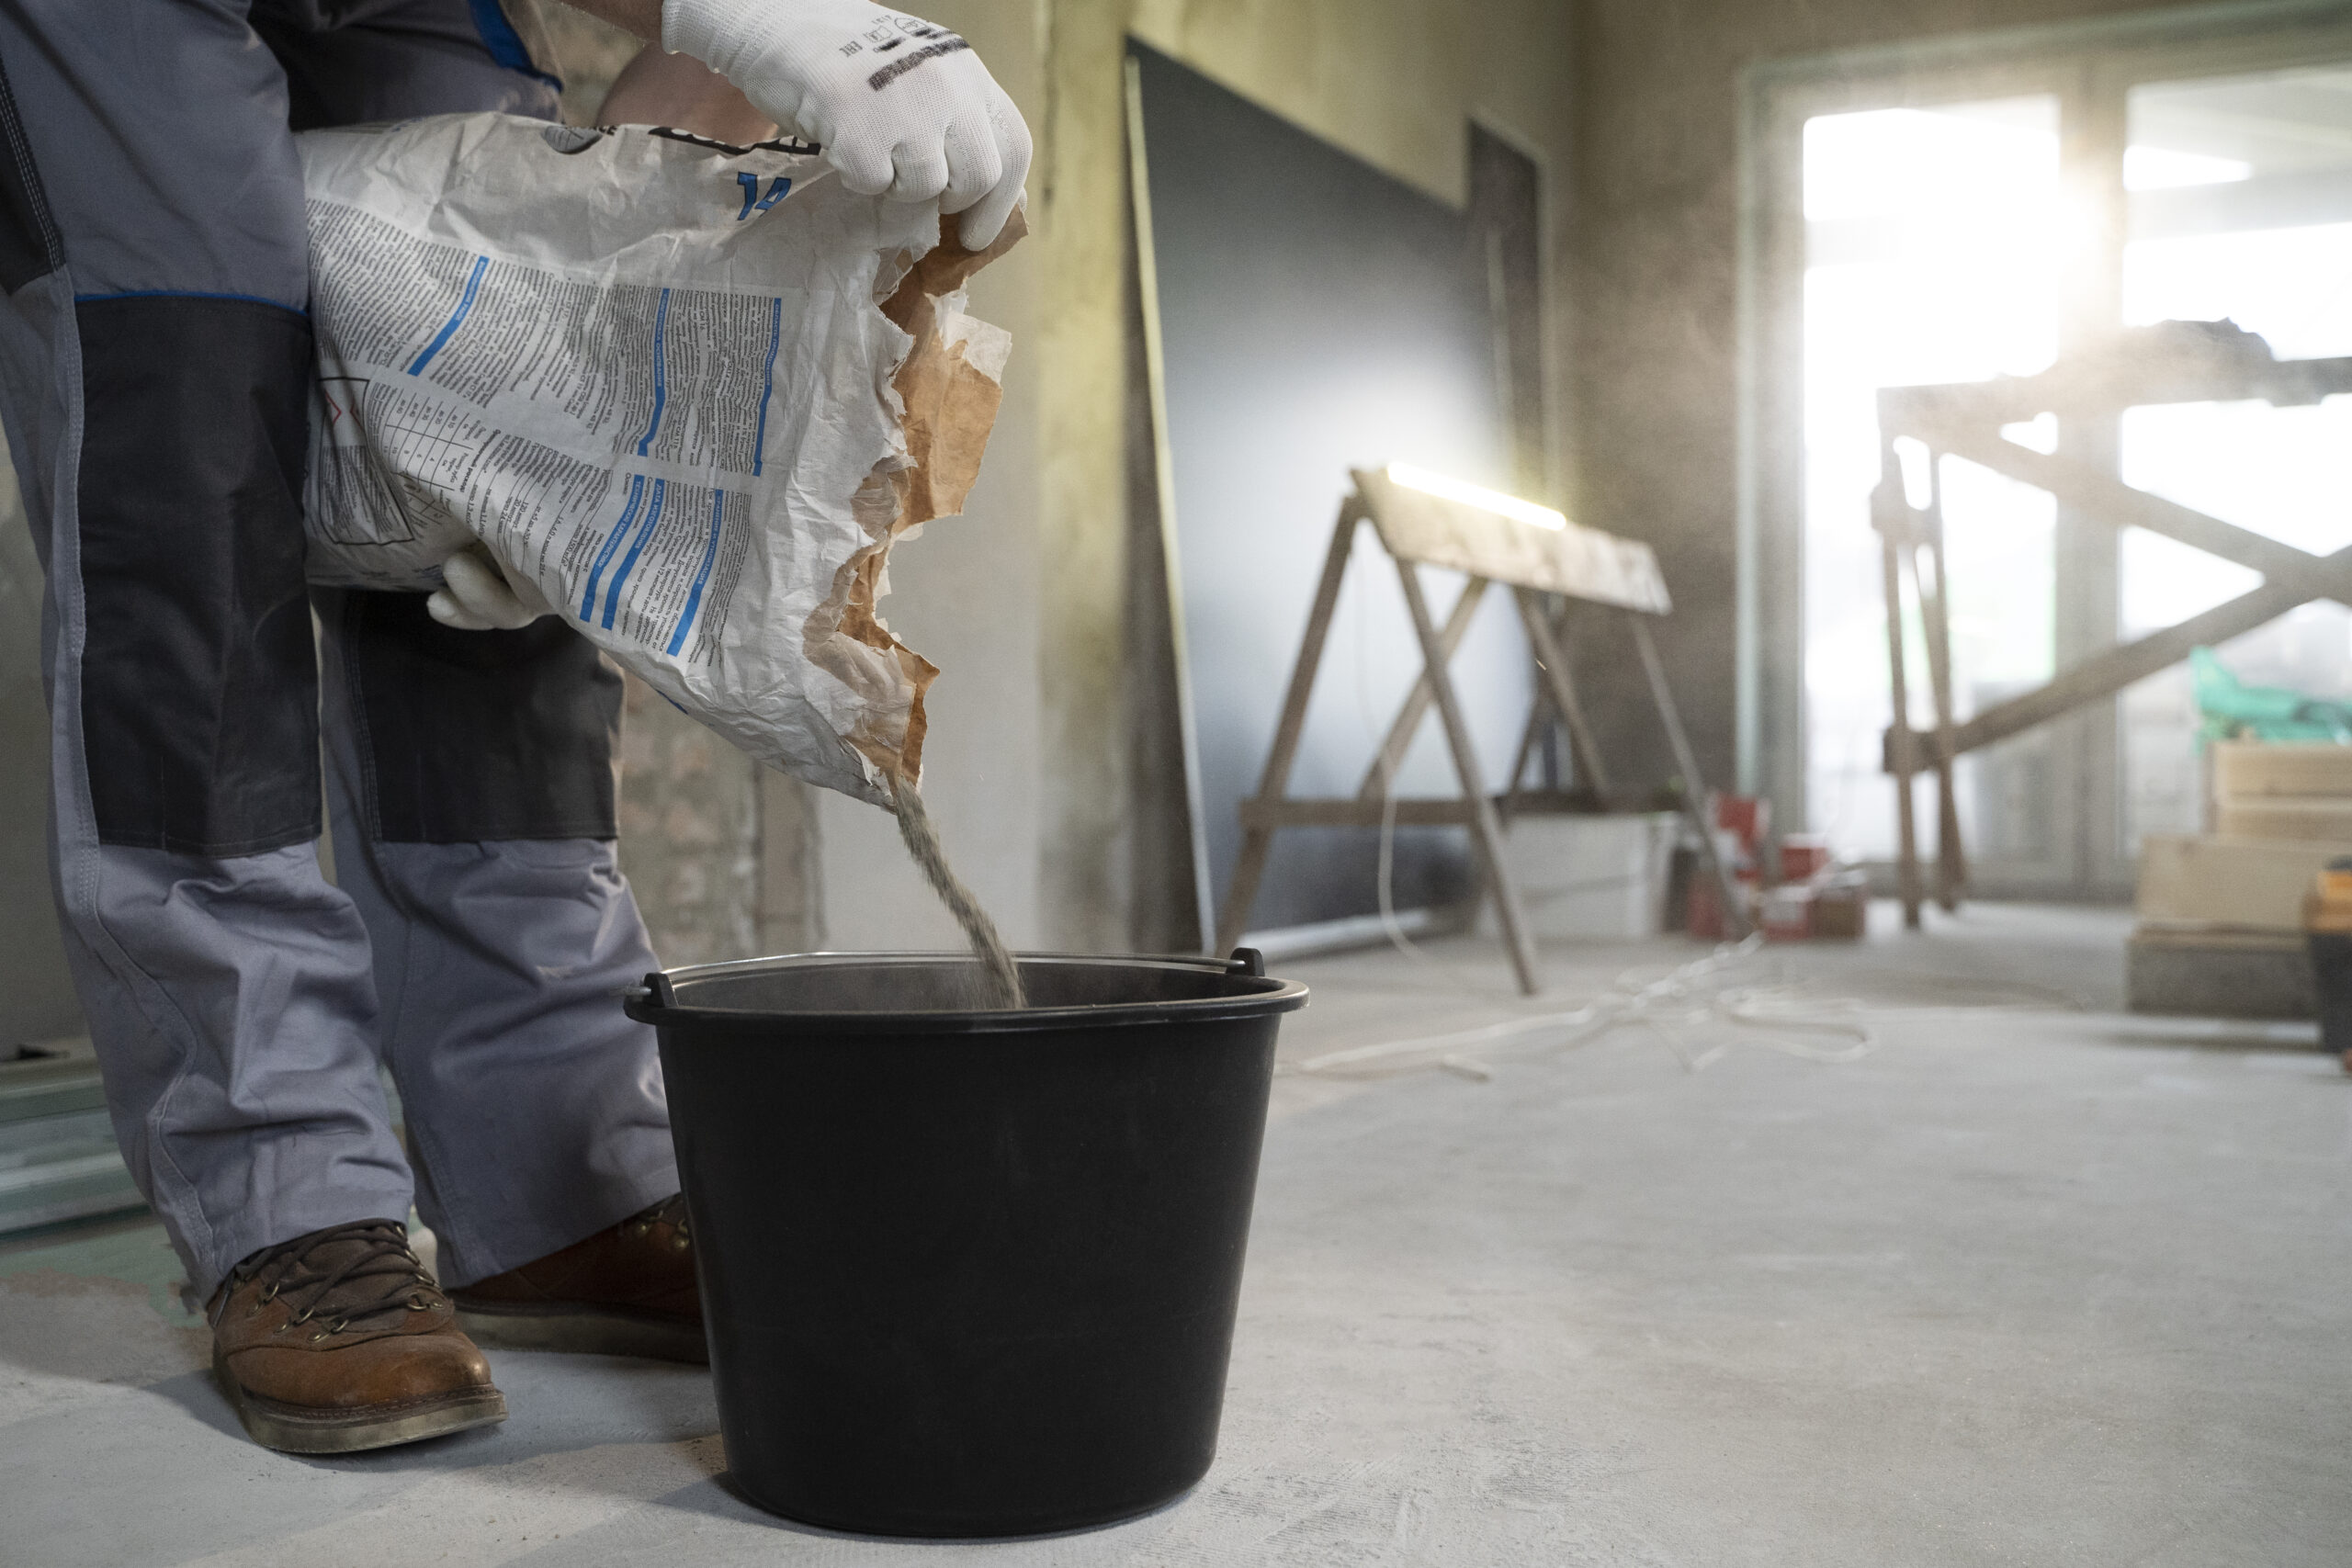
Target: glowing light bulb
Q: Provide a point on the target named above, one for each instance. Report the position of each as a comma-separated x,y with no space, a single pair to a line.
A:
1484,500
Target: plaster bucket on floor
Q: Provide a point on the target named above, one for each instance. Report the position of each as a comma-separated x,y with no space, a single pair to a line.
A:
968,1273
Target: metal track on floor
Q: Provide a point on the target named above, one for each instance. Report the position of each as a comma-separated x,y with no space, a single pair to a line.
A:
58,1159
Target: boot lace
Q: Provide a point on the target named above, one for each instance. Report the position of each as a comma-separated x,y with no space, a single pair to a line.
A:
344,1275
671,1212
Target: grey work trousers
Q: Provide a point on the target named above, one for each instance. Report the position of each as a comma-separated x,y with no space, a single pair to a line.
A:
155,360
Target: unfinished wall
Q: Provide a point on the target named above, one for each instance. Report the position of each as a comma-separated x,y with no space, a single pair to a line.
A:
690,832
1394,82
1653,278
1397,83
1026,601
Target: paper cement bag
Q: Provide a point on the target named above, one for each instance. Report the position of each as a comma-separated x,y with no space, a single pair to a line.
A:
686,395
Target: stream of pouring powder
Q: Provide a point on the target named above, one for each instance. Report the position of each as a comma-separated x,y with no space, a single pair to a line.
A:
1001,977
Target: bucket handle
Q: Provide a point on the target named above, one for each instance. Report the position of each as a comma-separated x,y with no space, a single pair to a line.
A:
656,990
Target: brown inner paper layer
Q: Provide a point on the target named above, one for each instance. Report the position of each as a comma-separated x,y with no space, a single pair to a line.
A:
951,406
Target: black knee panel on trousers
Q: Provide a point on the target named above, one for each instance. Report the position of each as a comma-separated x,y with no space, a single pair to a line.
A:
464,736
199,685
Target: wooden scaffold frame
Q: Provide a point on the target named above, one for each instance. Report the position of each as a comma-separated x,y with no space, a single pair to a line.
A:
2172,362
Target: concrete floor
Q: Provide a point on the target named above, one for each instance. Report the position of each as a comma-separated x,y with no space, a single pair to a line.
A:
2031,1282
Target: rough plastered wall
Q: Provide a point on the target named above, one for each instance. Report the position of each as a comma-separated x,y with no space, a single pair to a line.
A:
1394,82
1397,83
1654,278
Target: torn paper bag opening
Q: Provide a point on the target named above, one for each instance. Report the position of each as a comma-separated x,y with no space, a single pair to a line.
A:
686,395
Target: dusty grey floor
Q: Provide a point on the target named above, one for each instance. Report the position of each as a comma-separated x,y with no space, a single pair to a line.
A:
2029,1282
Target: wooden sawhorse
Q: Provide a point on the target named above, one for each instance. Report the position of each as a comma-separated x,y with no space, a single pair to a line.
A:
1493,539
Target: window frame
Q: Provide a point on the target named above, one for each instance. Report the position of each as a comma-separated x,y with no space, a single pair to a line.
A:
2090,68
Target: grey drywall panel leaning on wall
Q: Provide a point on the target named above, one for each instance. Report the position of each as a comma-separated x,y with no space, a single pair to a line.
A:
1317,315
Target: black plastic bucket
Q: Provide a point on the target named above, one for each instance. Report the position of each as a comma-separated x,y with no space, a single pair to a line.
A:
2332,983
968,1273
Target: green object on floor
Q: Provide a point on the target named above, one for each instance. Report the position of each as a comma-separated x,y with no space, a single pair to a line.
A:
2235,711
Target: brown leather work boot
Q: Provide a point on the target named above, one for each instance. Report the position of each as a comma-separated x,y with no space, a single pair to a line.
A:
627,1290
339,1340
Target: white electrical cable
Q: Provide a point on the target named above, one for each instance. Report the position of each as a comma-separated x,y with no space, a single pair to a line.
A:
1760,1009
1388,921
1386,880
1694,995
1394,926
1583,1024
1678,996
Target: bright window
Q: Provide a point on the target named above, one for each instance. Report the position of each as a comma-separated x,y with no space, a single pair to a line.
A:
1934,252
1939,247
2263,239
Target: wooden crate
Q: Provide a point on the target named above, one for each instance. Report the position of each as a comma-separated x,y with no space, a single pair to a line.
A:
2310,818
2243,769
2238,883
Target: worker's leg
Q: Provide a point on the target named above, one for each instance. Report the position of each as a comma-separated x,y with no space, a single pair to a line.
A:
473,786
154,362
473,792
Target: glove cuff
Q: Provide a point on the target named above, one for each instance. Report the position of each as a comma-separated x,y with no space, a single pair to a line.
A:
715,31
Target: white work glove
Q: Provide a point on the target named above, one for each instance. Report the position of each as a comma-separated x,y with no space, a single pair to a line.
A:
903,108
475,597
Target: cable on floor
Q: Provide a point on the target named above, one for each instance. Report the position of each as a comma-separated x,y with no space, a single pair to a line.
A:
1618,1007
1784,1017
1715,993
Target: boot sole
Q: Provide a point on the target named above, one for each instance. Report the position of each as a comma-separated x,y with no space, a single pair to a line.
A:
294,1430
583,1331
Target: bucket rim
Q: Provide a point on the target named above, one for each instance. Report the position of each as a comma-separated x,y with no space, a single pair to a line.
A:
655,1002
